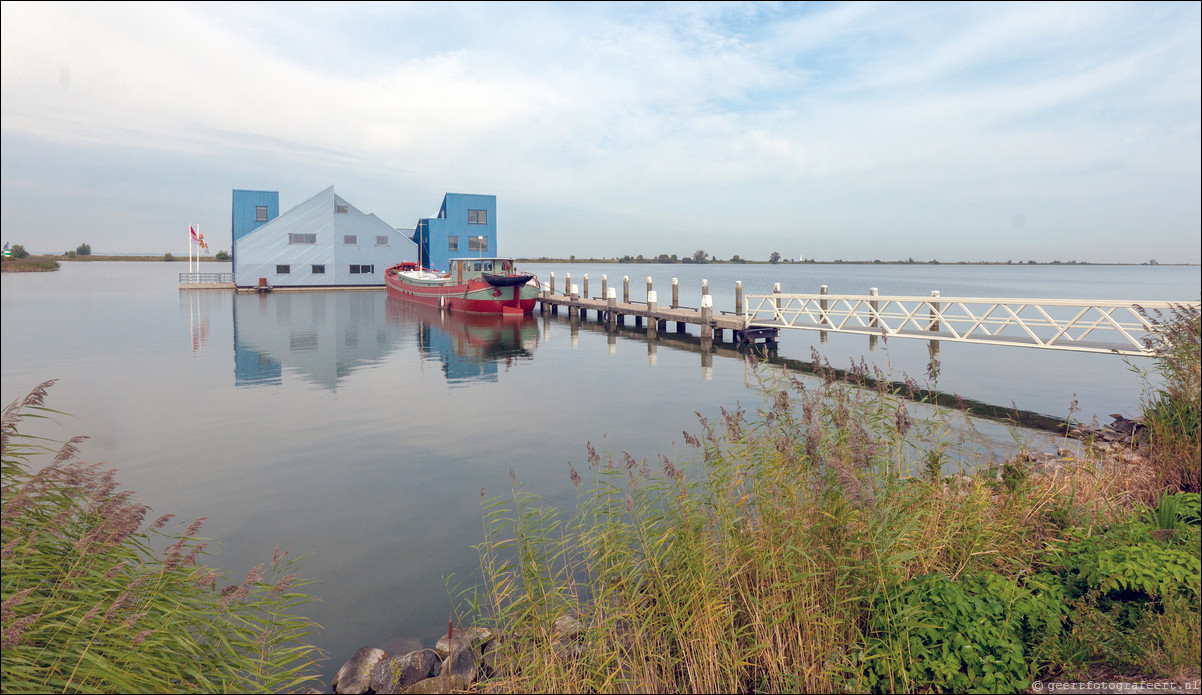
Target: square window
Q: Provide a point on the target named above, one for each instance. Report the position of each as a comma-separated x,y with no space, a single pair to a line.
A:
260,213
282,269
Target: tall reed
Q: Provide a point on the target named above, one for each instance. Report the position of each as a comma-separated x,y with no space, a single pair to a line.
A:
1172,410
93,600
757,564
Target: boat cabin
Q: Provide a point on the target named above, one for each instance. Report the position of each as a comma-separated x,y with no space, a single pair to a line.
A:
466,269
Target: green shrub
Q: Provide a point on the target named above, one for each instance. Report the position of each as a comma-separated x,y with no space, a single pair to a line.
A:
92,602
975,633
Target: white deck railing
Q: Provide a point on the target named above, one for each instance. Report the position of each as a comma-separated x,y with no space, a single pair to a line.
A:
1109,326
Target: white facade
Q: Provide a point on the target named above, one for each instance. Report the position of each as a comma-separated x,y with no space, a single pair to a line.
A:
323,242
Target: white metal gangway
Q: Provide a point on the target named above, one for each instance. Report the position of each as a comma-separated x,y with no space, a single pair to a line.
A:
1086,325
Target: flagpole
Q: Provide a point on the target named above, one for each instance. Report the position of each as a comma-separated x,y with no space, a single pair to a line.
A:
189,251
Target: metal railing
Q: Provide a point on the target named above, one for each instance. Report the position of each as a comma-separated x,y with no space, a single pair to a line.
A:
1108,326
205,278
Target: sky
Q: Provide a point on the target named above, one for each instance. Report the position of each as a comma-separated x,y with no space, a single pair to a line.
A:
858,131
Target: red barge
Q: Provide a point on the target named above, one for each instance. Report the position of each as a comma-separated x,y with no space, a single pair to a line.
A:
473,285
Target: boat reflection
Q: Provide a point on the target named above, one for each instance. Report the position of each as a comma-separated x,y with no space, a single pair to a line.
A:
469,347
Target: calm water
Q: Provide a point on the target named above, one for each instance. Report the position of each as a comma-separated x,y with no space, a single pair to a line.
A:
360,431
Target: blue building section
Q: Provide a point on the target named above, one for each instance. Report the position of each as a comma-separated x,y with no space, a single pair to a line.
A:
466,226
253,209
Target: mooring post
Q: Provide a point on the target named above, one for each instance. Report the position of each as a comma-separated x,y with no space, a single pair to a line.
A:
934,312
625,289
567,284
822,305
551,283
585,294
872,322
605,286
705,287
611,300
707,316
739,297
675,293
776,291
652,305
573,295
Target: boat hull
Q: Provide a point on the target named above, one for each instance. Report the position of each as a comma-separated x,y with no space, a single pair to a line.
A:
475,296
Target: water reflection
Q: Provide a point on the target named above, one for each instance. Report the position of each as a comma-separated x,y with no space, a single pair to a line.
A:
470,347
323,336
326,336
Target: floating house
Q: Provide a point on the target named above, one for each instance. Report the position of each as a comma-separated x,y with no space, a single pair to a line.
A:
324,242
466,226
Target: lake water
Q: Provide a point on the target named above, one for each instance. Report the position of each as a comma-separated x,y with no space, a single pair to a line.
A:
360,431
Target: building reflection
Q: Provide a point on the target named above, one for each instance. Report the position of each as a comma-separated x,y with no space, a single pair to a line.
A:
324,336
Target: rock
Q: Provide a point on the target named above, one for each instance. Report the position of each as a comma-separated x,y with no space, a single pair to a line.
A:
438,685
462,663
355,675
395,673
569,626
471,635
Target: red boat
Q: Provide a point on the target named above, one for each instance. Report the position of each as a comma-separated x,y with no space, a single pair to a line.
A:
473,285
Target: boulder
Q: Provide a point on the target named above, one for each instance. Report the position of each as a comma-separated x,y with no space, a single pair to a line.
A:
355,675
438,685
470,635
463,663
395,673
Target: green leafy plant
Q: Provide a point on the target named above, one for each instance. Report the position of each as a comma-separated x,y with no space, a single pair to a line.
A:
974,633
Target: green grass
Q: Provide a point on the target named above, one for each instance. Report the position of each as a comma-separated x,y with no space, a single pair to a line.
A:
93,600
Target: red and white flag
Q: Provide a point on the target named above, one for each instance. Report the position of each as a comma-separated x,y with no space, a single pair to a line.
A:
196,239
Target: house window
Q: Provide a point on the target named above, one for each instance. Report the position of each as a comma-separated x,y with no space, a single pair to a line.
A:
302,238
282,270
452,243
319,270
477,216
340,208
260,213
350,239
477,243
381,241
362,269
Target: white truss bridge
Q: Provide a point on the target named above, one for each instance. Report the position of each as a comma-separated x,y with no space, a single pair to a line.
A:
1084,325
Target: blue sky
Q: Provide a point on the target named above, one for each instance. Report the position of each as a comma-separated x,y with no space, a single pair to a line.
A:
854,131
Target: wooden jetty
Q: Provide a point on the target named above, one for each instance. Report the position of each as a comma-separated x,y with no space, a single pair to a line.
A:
608,309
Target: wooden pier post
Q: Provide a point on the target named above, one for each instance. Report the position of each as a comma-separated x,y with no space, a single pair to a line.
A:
625,289
567,284
605,286
934,313
573,295
872,323
776,291
739,297
551,283
652,305
611,300
822,305
648,286
675,293
585,294
705,287
707,316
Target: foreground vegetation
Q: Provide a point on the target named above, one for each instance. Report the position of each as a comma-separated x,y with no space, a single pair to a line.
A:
832,542
94,602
